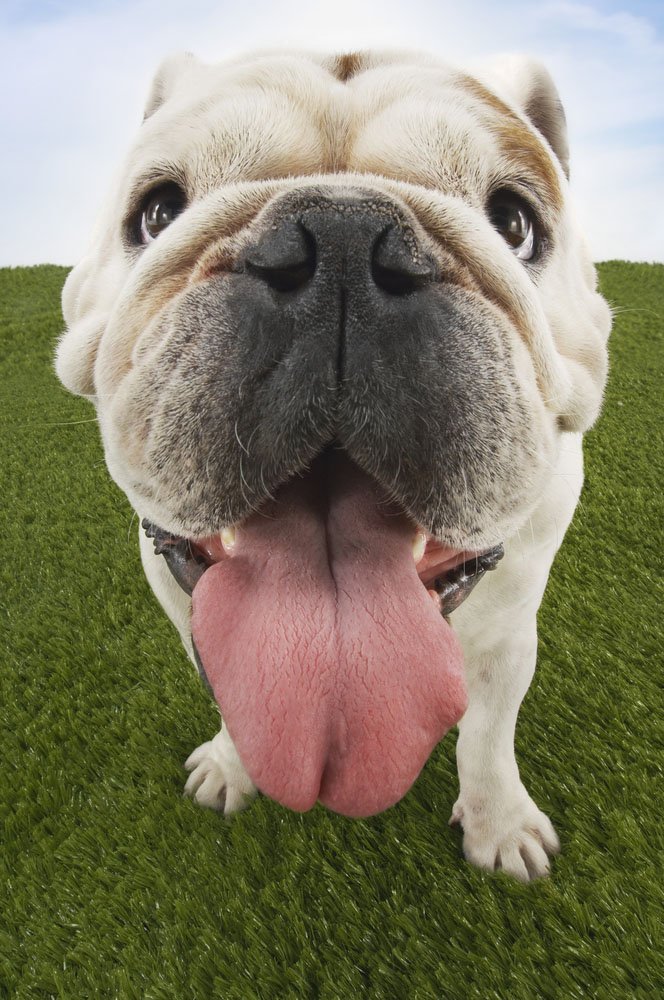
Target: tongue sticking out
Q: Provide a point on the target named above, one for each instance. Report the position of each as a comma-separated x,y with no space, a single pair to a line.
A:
334,671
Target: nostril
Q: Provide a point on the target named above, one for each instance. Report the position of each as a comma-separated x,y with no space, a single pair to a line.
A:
394,269
286,259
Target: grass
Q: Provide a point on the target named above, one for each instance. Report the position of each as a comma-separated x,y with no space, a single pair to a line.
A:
113,885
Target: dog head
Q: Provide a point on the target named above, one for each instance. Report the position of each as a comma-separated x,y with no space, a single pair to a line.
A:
348,285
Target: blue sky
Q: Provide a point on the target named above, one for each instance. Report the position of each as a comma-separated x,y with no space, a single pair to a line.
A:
76,73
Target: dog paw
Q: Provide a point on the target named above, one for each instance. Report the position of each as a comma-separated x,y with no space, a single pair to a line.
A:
515,837
217,778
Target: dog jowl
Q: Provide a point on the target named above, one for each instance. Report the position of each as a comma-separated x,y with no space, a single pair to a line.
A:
343,338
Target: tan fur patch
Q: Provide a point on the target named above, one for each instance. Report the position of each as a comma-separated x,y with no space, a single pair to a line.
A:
347,65
517,142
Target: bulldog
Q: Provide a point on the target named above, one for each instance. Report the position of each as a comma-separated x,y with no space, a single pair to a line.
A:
343,338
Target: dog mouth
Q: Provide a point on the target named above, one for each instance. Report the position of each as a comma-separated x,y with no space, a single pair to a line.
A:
449,575
321,625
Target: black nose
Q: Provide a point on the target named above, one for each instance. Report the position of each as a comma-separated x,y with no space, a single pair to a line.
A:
349,242
286,259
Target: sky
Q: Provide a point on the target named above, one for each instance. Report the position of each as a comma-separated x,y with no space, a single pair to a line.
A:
75,75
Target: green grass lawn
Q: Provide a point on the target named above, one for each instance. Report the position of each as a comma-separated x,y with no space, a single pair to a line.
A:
114,885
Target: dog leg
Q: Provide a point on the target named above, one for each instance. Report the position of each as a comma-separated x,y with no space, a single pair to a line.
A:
502,826
217,776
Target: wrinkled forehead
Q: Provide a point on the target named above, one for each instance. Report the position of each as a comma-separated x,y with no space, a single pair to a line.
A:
288,116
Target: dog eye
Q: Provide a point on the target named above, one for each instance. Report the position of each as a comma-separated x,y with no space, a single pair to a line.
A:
515,223
160,208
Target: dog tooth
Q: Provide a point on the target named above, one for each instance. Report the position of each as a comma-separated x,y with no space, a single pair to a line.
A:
227,536
419,545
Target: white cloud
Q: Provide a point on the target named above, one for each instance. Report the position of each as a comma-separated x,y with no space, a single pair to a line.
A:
612,65
74,87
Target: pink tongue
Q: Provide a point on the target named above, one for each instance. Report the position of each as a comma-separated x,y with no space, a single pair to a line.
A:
335,673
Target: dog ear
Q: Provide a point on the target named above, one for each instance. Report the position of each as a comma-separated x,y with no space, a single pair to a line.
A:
528,85
172,69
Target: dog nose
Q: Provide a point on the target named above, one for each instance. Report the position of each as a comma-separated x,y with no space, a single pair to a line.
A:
286,259
349,242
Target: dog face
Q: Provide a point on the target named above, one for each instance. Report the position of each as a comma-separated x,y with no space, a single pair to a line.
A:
358,270
365,167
